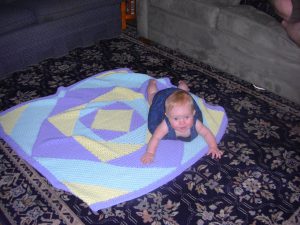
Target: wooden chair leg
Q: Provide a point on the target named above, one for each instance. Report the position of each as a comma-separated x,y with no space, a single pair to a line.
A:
123,14
128,12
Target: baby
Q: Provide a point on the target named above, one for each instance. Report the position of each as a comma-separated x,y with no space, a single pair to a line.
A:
174,115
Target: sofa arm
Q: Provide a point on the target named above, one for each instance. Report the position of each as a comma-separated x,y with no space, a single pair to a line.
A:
142,18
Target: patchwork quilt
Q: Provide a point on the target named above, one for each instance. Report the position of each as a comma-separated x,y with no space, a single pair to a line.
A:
88,138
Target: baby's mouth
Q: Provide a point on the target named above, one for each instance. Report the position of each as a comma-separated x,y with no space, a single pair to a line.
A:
182,128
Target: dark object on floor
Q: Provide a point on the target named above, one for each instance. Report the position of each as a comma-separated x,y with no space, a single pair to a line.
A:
33,30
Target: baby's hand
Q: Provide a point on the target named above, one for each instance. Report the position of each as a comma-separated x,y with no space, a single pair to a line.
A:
215,153
147,158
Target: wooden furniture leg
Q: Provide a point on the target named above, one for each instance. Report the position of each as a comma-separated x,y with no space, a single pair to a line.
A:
123,14
128,11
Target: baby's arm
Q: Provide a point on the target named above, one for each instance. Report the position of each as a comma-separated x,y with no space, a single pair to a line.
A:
158,134
210,140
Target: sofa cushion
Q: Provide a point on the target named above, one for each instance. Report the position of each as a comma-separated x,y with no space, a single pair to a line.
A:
200,11
254,26
264,6
46,10
12,18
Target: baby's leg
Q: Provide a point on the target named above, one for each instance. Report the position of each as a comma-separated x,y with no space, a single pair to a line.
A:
151,90
283,8
182,85
293,30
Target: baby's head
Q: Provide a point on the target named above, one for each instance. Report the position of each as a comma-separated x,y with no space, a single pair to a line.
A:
180,111
179,98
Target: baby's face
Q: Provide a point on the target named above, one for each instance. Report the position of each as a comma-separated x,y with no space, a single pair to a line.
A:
181,117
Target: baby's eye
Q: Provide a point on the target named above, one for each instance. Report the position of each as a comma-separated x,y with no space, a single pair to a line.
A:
175,118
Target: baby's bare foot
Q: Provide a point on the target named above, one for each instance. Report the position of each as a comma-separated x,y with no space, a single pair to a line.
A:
151,90
183,85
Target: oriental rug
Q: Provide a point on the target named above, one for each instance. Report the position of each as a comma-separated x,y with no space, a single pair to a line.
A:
255,182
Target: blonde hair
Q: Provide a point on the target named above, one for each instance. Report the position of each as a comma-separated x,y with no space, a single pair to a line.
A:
179,98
